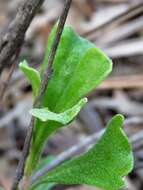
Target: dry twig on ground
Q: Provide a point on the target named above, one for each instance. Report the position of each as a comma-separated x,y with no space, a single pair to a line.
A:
47,76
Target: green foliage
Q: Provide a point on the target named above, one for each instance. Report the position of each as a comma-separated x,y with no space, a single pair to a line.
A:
64,118
42,187
104,165
32,75
43,162
78,68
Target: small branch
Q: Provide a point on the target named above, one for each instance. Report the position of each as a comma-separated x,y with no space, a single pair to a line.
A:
10,44
48,71
47,76
13,39
122,17
6,84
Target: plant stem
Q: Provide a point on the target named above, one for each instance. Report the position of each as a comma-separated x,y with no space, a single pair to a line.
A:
36,148
45,81
26,181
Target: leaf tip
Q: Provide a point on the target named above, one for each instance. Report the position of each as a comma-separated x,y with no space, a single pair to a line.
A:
117,120
23,64
84,101
120,117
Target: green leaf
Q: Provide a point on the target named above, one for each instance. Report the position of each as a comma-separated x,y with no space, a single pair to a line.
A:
103,166
43,187
32,75
64,118
79,67
43,162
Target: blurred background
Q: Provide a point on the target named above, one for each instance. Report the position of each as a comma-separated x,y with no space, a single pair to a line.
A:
116,26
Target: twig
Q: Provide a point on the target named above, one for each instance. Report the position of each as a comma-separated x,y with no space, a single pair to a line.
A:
123,82
47,76
127,14
74,150
6,83
138,166
13,39
10,44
